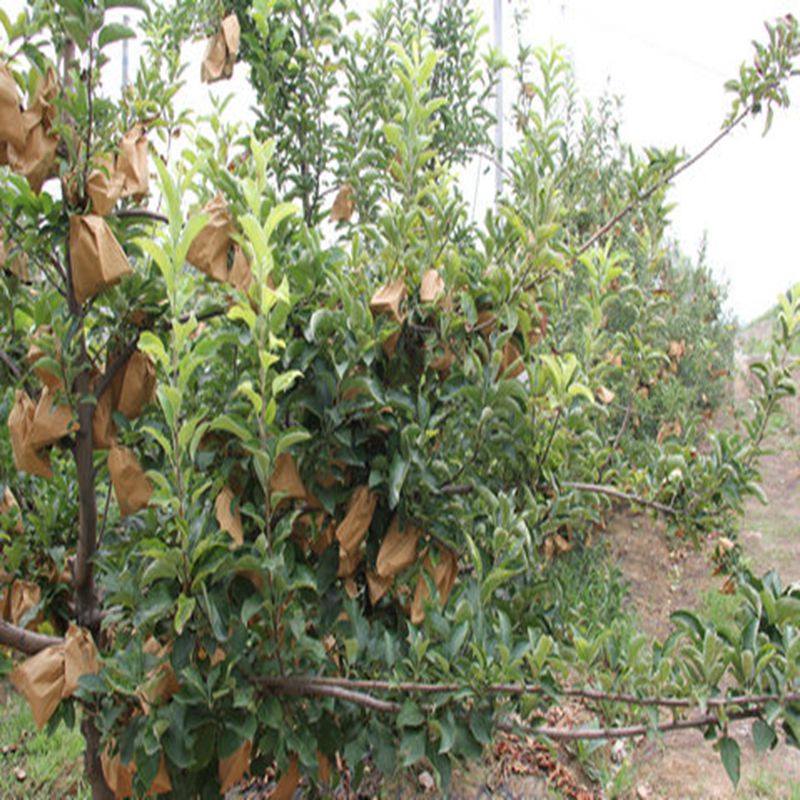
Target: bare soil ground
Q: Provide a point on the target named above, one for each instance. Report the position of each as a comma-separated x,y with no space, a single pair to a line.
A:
683,765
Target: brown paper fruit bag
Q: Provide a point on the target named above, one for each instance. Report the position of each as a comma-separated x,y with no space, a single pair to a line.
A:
353,528
288,782
36,158
10,507
220,55
444,577
377,586
132,162
432,287
40,680
387,301
233,768
161,683
135,385
104,186
96,259
20,420
398,551
209,249
22,597
119,776
228,515
51,422
80,658
131,486
344,205
241,276
11,127
48,374
16,264
286,479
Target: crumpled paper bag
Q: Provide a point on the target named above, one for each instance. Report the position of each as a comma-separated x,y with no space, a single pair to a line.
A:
134,386
288,782
353,528
131,486
104,186
40,680
398,551
119,776
233,768
387,301
221,52
52,674
444,577
286,478
209,249
46,375
132,162
161,682
20,421
378,586
16,264
11,127
241,276
51,422
96,259
10,506
344,205
36,158
22,597
511,363
432,286
229,520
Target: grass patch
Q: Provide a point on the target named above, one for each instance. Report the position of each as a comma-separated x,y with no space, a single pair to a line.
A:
720,610
764,786
53,765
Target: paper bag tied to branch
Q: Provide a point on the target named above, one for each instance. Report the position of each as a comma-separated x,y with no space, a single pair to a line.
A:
398,551
104,429
432,286
96,259
9,506
353,528
132,162
51,422
344,205
134,386
36,158
220,55
22,597
228,515
233,768
444,575
47,375
119,776
209,249
52,675
387,301
104,186
131,486
20,420
11,127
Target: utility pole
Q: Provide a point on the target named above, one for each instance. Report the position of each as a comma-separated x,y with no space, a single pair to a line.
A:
498,102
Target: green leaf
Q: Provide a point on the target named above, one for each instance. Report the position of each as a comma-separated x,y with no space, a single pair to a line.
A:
397,477
141,5
412,746
114,32
731,758
184,613
763,736
410,716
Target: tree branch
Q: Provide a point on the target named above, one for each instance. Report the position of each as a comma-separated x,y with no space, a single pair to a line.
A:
25,641
610,491
144,213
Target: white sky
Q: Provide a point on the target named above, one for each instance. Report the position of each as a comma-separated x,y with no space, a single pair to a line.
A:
669,61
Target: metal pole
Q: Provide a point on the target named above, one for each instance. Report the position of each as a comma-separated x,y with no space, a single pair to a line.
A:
126,21
498,101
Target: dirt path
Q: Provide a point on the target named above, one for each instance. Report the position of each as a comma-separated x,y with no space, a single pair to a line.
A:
684,765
